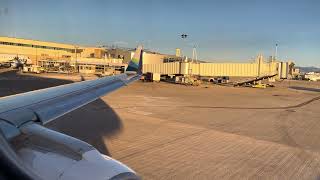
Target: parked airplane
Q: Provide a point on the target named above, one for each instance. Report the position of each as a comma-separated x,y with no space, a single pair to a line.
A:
14,61
31,151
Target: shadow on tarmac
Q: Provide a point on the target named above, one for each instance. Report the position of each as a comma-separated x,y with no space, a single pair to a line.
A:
92,123
304,88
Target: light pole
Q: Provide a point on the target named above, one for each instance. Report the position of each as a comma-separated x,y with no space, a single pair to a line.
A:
36,55
276,52
76,60
184,36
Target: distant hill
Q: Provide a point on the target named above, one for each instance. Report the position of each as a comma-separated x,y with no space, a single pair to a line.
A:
309,69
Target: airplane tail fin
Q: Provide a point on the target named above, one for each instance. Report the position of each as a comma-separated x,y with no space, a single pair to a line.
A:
136,62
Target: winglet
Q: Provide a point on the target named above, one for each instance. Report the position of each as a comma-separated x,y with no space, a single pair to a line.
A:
136,62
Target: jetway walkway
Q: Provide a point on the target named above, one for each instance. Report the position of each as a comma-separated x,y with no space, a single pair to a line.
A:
219,69
254,81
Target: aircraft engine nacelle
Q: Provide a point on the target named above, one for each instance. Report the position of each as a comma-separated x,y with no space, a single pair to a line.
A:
53,155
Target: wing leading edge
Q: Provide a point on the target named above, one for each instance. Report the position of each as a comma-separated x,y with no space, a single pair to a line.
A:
45,105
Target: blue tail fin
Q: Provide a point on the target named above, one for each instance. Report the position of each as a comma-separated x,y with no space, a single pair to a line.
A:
136,62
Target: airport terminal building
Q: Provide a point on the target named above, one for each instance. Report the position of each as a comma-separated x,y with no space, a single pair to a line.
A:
96,58
41,50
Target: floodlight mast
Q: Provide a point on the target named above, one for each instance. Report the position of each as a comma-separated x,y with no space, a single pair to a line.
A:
184,36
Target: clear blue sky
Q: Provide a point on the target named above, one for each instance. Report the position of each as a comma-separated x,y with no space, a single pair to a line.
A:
224,30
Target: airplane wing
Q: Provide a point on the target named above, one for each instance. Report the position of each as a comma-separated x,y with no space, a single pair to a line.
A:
45,105
39,107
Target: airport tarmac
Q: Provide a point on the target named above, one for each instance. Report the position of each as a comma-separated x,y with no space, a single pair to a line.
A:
168,131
